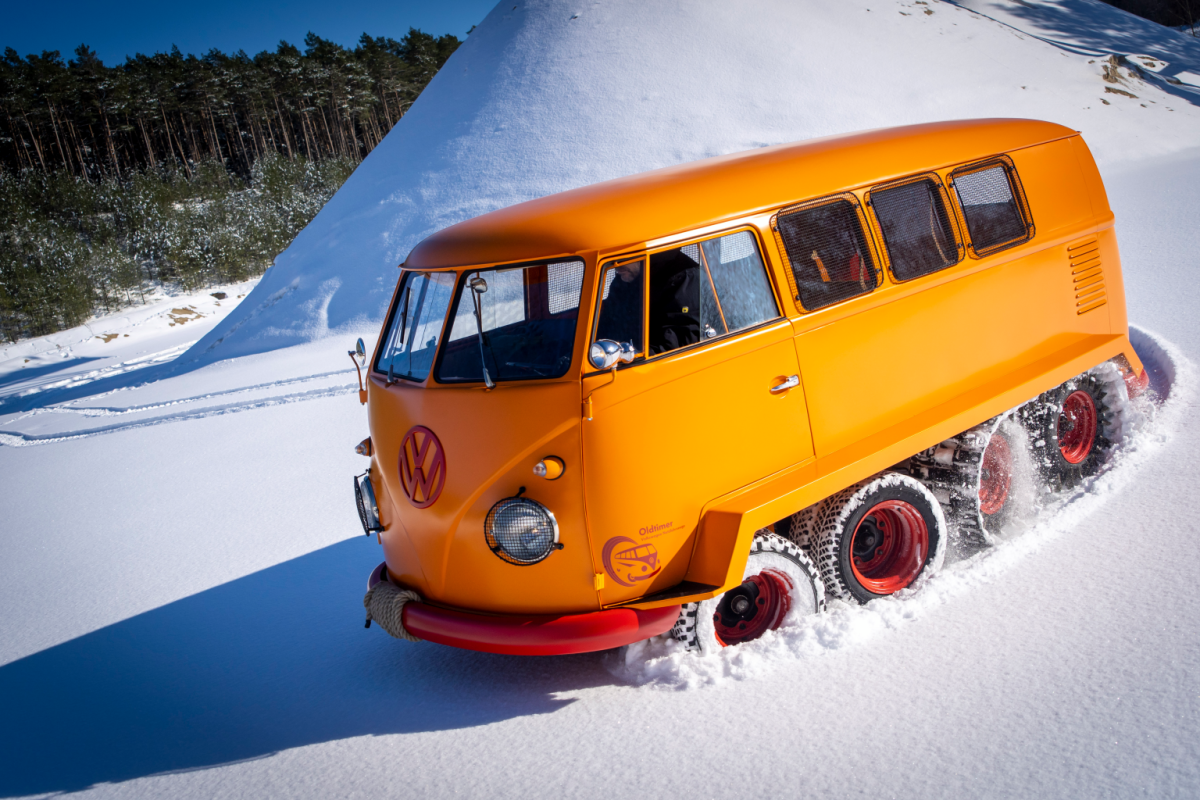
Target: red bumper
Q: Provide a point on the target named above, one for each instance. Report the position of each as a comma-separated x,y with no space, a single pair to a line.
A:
536,635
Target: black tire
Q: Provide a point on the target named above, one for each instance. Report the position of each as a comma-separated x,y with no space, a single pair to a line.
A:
800,527
889,511
697,623
1059,460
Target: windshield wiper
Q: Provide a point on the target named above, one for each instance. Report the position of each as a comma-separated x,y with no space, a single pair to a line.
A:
478,287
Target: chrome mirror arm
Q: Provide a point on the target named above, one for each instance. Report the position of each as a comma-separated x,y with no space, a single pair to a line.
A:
478,287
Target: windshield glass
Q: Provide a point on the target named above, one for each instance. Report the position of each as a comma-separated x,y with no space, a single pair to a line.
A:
527,316
416,325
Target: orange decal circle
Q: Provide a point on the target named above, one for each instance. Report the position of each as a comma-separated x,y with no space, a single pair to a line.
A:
629,563
422,466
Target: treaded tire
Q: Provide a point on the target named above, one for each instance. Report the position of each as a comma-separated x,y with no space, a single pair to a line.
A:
833,543
695,626
1041,419
800,527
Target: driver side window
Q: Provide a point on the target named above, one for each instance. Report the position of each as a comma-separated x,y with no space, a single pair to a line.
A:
622,303
688,295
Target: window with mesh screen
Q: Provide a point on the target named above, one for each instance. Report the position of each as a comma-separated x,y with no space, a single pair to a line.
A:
994,220
828,252
564,280
916,228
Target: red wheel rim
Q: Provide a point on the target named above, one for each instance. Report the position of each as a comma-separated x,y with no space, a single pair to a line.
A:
995,477
889,547
750,610
1077,427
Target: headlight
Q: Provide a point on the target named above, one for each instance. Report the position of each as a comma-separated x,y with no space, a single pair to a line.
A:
368,508
521,531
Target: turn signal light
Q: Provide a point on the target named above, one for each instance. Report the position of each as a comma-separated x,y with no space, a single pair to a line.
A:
551,468
364,447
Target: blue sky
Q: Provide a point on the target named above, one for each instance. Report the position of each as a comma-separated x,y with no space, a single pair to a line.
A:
115,30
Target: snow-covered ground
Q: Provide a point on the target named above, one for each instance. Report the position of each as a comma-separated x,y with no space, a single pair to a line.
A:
181,583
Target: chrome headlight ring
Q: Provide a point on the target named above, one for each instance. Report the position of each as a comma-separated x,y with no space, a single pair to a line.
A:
368,507
521,531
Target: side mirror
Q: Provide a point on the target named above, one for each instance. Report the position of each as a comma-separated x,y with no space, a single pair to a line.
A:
359,356
606,354
477,284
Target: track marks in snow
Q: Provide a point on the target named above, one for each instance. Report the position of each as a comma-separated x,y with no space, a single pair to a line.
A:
16,438
663,663
100,411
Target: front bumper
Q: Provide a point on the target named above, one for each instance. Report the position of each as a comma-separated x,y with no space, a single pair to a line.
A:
534,635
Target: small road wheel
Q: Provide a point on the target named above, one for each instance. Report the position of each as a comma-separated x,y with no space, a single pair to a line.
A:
780,581
878,536
981,477
1073,426
995,475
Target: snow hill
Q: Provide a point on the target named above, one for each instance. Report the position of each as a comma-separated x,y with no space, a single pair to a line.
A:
546,96
182,569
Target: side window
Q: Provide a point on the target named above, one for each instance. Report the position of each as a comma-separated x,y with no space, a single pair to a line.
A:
682,307
916,229
993,206
622,306
690,294
741,280
827,250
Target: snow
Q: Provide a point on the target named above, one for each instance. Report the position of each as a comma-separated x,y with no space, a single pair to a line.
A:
182,569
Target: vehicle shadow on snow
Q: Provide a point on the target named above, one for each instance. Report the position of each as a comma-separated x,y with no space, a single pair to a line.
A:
275,660
29,375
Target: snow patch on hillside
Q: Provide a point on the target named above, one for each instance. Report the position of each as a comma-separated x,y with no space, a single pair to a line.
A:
544,97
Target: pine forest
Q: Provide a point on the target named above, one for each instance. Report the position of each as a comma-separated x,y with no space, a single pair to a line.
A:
179,171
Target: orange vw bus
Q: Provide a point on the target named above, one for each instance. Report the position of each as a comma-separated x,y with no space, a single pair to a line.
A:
700,399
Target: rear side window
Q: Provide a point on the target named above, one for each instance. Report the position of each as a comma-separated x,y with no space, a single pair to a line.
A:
827,251
915,226
993,206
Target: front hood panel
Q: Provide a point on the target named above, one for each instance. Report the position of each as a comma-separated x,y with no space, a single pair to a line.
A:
489,443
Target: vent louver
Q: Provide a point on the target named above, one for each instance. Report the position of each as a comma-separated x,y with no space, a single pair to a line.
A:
1087,275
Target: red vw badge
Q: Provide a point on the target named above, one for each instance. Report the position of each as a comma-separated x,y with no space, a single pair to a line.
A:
422,466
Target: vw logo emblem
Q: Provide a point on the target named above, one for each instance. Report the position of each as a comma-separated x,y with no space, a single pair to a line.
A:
422,466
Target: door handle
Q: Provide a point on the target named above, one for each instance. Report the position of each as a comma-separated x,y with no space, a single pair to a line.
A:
791,383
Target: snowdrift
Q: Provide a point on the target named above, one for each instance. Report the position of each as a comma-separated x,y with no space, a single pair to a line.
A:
546,96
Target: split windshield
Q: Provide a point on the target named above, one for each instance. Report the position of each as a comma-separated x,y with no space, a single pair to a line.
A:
525,328
527,316
416,325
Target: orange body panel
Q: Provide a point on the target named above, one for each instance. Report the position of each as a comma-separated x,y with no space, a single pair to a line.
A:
672,462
